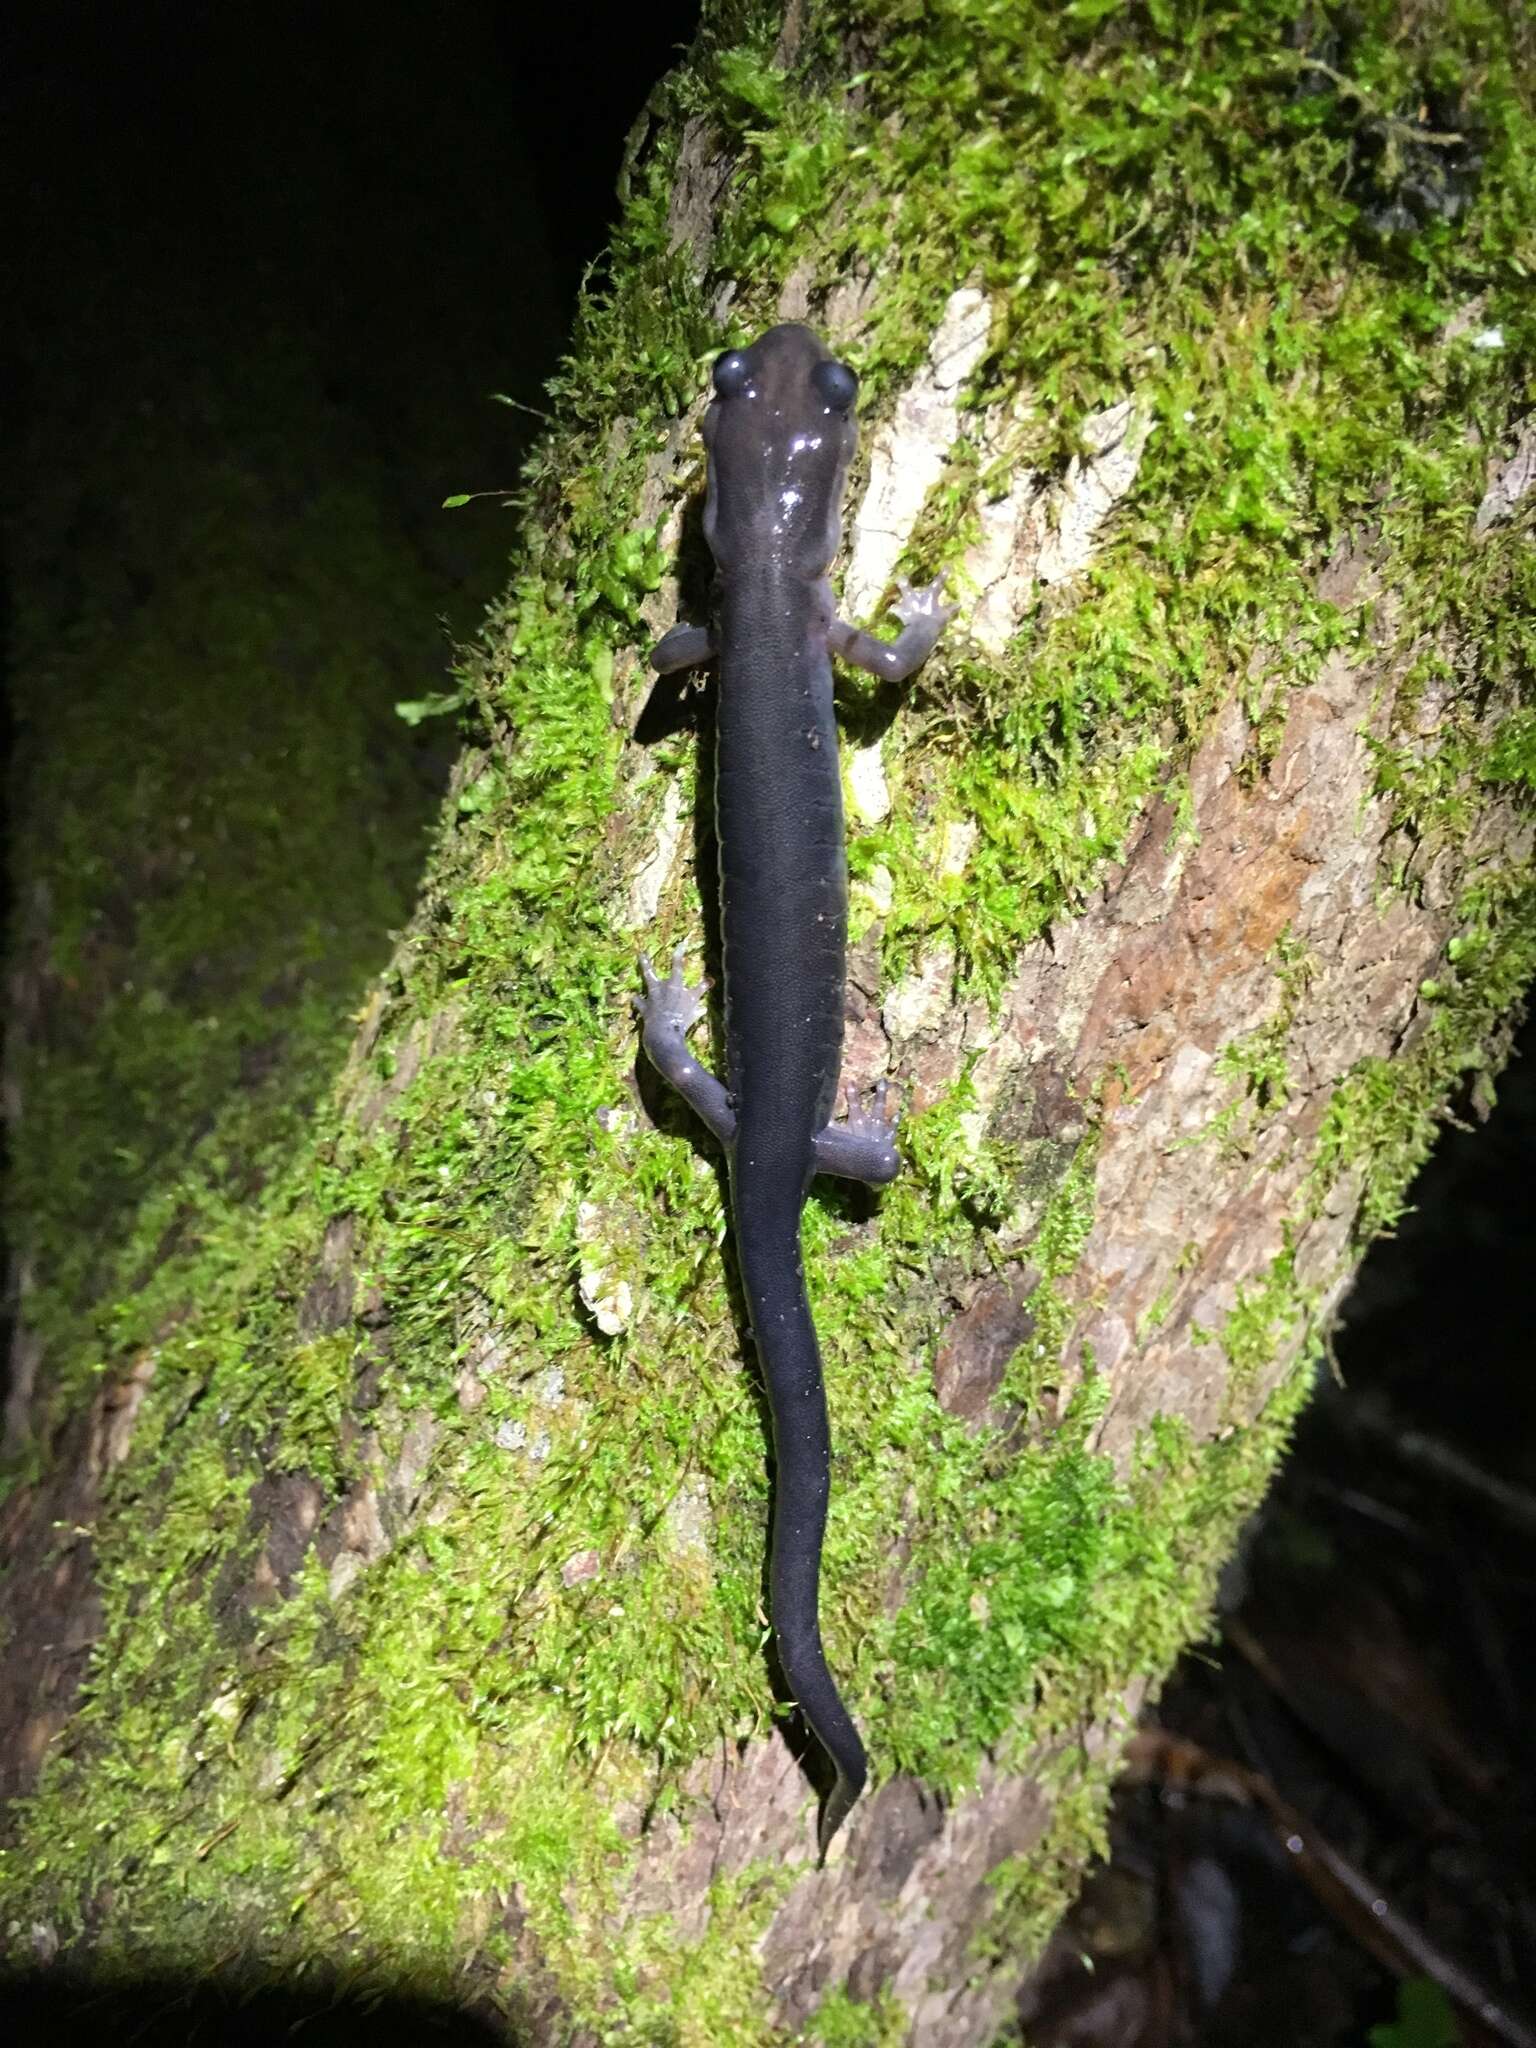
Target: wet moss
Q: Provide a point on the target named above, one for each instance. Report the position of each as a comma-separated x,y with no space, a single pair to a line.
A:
562,1611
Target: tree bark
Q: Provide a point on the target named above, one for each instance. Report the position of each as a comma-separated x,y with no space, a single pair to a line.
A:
387,1599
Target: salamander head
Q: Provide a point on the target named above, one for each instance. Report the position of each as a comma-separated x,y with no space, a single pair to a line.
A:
780,433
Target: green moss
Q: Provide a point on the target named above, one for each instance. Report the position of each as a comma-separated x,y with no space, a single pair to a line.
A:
844,2022
1266,1318
1031,1892
564,1609
1055,1247
1384,1115
674,1994
1258,1060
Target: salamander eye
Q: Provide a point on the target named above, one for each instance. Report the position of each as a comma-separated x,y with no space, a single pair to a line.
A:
731,375
835,385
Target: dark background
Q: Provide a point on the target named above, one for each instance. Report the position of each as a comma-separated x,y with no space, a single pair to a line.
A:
417,189
412,194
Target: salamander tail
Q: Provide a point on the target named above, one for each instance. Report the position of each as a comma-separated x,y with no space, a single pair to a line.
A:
797,1638
852,1773
769,1242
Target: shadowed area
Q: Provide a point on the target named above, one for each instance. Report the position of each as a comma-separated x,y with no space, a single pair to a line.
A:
45,2011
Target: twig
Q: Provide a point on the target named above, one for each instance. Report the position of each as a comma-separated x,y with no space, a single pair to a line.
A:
1437,138
1515,1504
1339,1885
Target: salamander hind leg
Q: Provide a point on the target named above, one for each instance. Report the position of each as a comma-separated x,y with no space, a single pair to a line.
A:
863,1147
668,1011
683,647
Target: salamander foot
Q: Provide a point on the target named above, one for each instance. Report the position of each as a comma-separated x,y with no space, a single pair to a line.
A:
919,606
670,1005
863,1146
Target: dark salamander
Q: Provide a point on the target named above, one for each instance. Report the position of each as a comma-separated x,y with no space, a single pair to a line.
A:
780,432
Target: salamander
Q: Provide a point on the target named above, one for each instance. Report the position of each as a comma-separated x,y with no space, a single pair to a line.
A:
780,431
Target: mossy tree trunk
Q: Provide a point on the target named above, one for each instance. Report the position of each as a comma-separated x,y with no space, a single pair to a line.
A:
387,1591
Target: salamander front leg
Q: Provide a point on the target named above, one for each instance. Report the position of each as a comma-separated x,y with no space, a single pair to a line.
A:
923,618
864,1147
668,1011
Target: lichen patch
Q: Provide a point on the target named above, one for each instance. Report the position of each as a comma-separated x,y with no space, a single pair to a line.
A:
909,453
1510,481
1034,535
